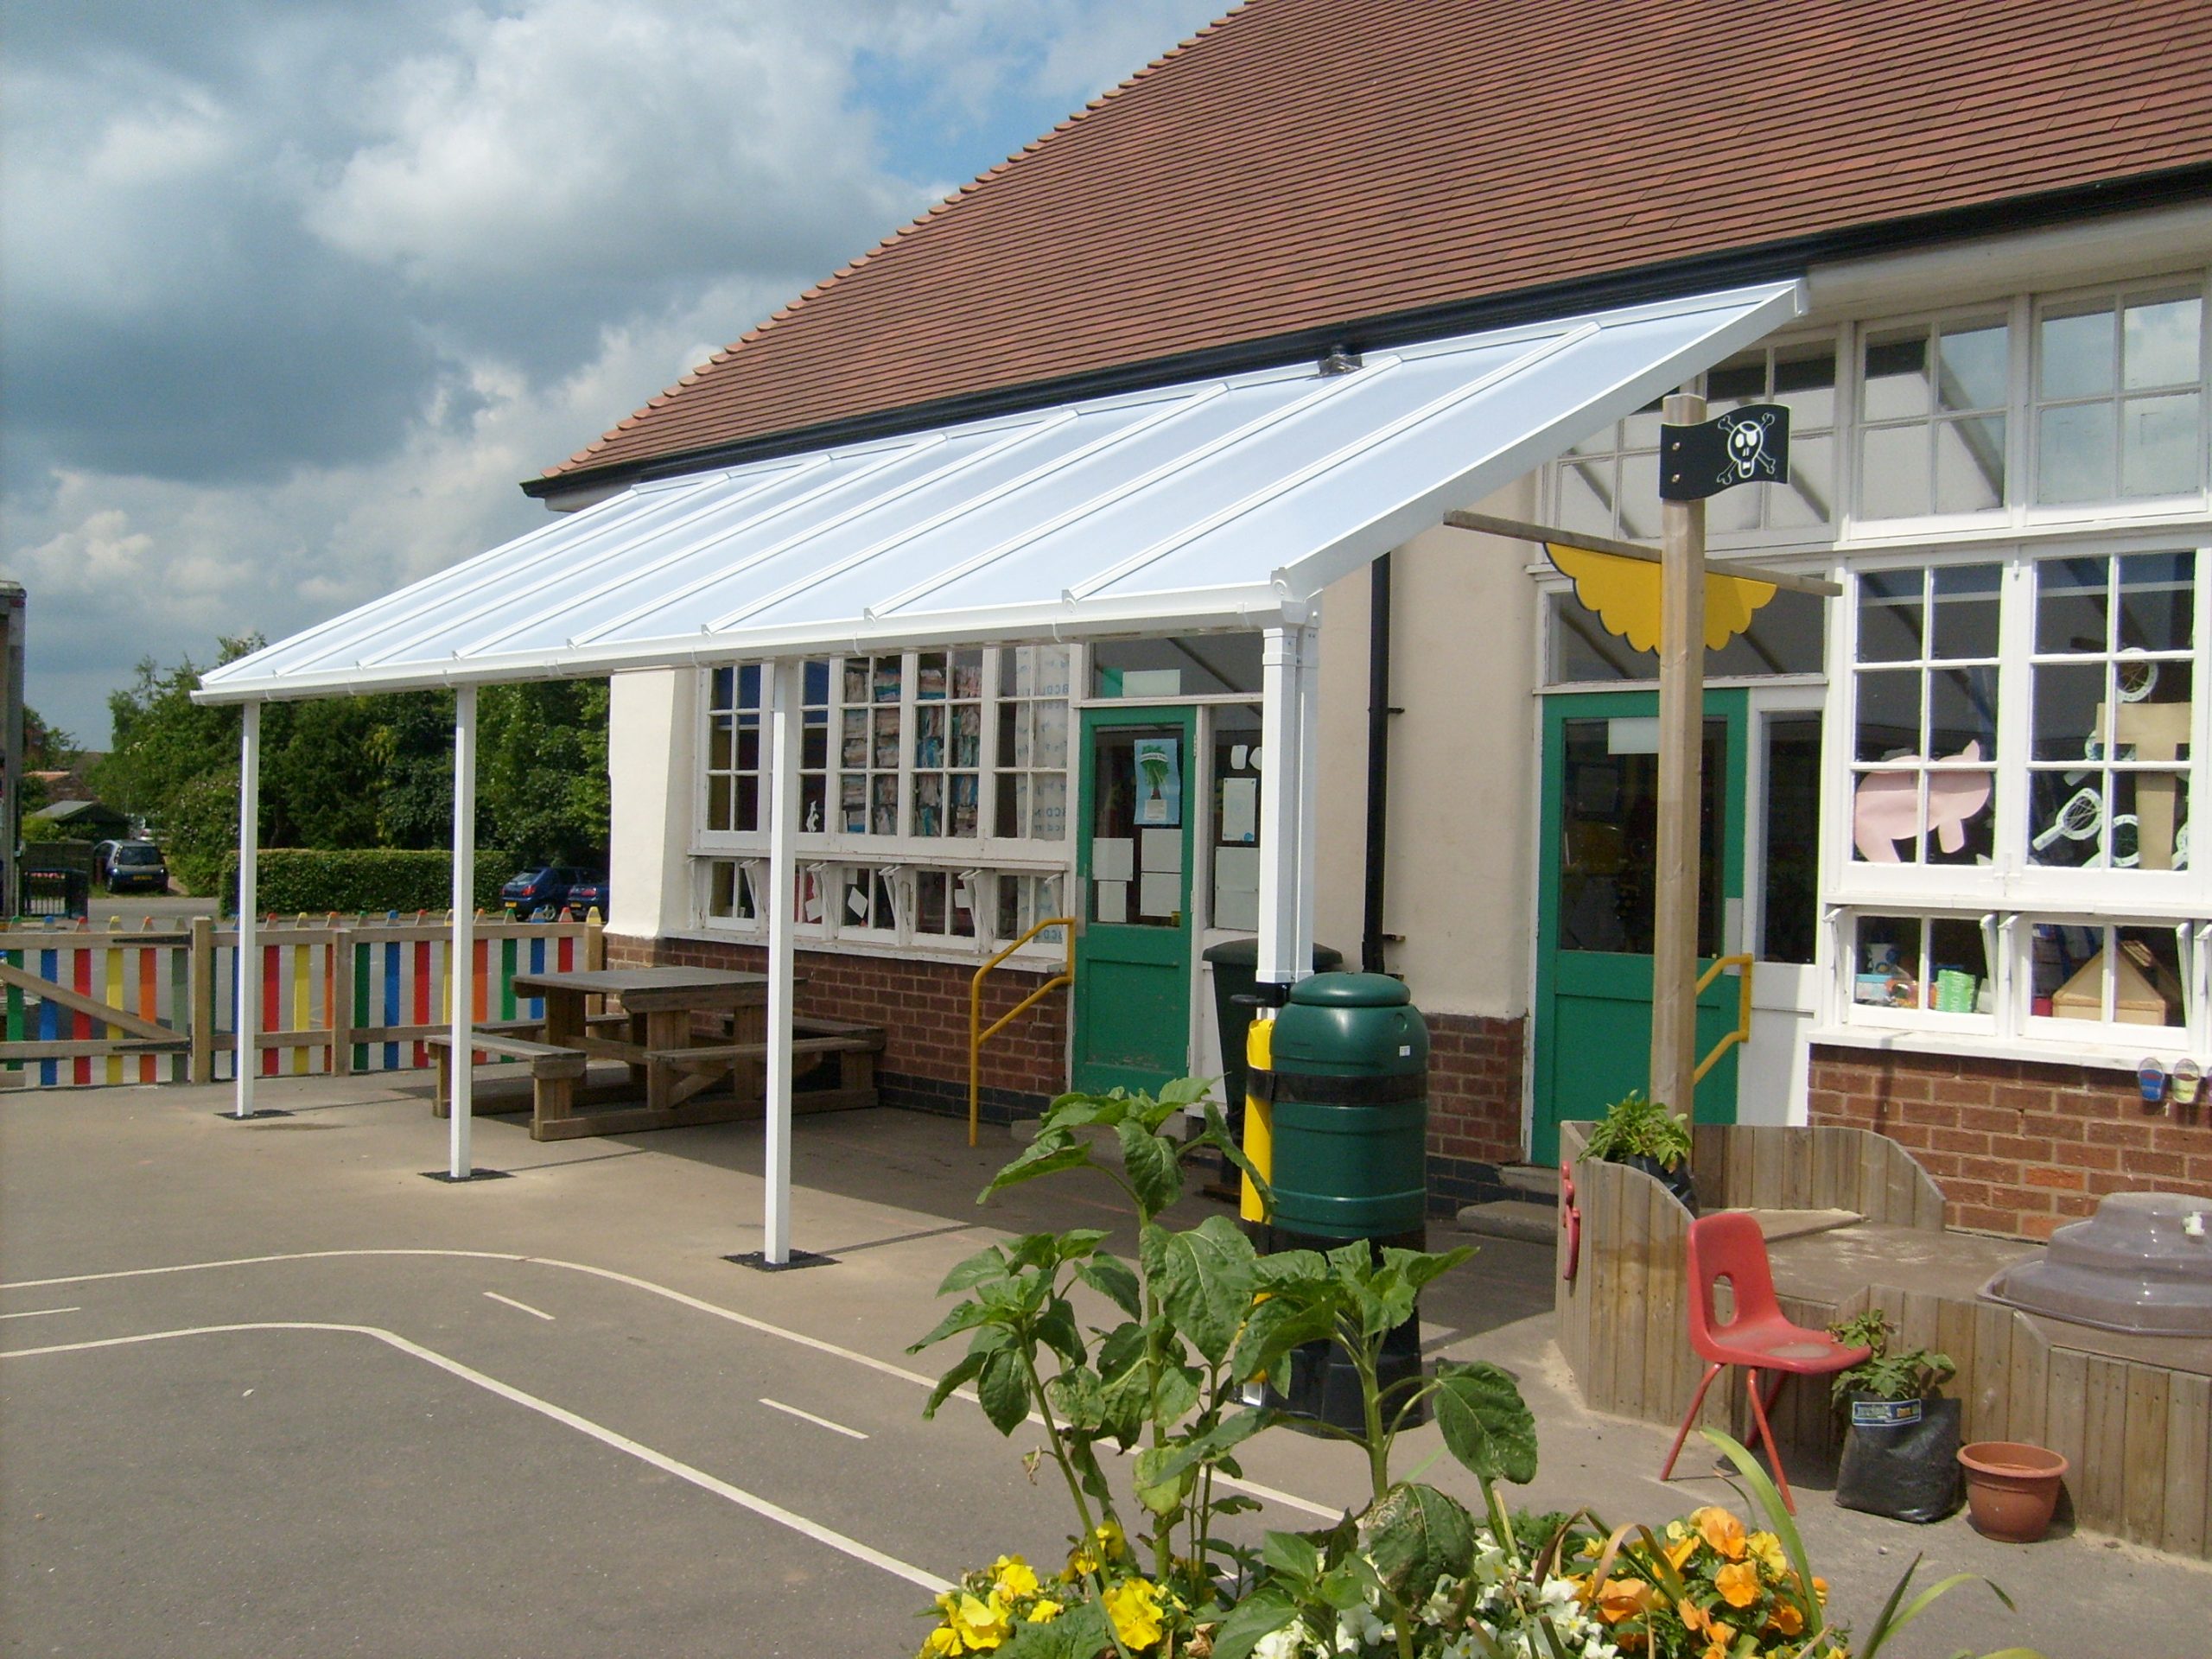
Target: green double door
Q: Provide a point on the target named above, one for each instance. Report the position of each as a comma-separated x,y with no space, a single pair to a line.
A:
1594,918
1134,808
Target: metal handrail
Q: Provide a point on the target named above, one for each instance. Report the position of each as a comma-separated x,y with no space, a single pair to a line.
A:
1743,1031
977,1036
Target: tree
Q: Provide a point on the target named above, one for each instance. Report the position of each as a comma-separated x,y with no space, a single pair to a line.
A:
541,770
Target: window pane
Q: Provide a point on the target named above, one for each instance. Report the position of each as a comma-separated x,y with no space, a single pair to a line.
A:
2157,596
2074,352
718,802
2067,698
2161,445
1639,503
1893,481
1889,616
1012,808
1965,612
1809,499
1641,429
2146,970
1975,368
1788,906
1889,714
1962,710
2070,605
2159,804
1735,509
1787,635
2162,343
1958,815
1958,965
725,681
2059,956
1970,464
2066,818
1739,380
1050,803
2074,452
1603,442
1586,497
1887,972
1895,381
1804,380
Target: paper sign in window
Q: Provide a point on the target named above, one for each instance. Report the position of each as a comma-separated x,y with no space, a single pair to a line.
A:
1240,809
1113,904
1113,858
1236,869
1158,894
1163,851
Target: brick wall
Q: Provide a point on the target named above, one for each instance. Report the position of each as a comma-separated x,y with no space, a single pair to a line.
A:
923,1008
1474,1107
2019,1148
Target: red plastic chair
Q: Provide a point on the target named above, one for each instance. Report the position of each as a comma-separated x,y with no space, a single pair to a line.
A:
1757,1337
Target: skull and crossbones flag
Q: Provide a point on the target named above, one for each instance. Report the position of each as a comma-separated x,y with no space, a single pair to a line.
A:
1750,445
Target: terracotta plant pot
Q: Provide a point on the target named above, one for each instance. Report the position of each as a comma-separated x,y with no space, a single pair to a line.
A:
2011,1488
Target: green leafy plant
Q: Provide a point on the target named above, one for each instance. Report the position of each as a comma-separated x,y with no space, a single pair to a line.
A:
1885,1373
1636,1127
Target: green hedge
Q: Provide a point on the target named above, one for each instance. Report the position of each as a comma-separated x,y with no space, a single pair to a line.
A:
296,880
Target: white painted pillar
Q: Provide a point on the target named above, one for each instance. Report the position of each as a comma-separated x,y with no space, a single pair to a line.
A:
784,718
1287,731
1309,779
461,977
247,1055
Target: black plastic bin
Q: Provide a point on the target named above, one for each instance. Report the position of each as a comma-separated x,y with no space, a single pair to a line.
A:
1237,973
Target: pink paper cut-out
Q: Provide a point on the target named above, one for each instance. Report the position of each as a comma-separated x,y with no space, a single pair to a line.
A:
1886,809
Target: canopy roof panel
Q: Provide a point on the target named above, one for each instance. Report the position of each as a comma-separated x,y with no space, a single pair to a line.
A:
1217,504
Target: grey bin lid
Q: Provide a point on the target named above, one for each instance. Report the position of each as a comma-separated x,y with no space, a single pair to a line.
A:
1350,991
2132,1267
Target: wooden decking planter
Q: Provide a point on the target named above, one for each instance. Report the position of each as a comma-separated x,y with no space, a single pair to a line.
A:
1853,1221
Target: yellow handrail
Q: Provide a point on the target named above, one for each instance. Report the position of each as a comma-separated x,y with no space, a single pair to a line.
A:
1743,1031
977,1036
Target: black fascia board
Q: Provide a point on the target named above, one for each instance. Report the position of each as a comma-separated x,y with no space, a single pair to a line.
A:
1768,262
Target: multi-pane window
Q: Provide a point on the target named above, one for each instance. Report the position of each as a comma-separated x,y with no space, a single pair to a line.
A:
1924,742
2108,972
1609,483
1033,743
1024,900
948,726
1801,378
944,904
2118,399
868,746
1932,963
2113,679
735,751
1933,401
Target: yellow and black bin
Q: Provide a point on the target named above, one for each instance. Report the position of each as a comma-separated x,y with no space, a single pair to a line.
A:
1337,1120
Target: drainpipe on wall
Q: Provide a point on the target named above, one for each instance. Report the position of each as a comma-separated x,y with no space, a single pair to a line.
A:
1372,938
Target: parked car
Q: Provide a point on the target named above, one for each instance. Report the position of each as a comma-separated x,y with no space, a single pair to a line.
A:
589,895
546,888
103,852
136,864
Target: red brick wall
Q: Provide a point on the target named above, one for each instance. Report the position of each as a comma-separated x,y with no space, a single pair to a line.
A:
923,1008
1474,1106
2019,1148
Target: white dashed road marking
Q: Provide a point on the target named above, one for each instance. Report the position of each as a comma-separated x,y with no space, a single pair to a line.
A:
524,1306
40,1312
808,1416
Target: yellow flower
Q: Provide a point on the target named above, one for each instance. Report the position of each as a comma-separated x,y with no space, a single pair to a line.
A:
980,1625
1722,1530
1134,1605
1013,1577
1719,1647
1766,1550
1820,1589
1786,1618
1620,1598
1693,1616
1044,1610
1738,1583
941,1643
1679,1551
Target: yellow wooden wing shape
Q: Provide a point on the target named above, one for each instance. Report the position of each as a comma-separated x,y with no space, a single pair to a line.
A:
1625,593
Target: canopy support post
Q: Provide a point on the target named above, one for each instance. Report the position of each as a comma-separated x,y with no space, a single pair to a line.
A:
785,716
1681,757
1289,687
460,975
246,1056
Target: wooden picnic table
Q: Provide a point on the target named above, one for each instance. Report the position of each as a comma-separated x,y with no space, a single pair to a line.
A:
659,1003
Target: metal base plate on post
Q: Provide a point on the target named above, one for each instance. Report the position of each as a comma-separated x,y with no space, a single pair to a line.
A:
258,1111
452,1179
757,1261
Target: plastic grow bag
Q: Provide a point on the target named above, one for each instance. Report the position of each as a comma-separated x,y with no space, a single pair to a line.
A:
1900,1458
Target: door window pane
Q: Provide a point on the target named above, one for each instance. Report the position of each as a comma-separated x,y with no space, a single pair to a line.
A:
1235,818
1609,836
1789,839
1137,878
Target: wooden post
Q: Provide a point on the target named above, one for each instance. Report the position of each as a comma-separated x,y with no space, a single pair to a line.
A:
203,999
338,990
1682,751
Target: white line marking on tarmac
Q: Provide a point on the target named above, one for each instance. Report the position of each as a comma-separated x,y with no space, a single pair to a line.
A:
524,1306
819,1422
40,1312
1322,1510
699,1478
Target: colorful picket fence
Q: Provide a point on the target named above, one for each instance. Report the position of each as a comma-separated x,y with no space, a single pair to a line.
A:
87,1005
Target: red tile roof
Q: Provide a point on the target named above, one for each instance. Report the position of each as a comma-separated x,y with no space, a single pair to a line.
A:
1305,164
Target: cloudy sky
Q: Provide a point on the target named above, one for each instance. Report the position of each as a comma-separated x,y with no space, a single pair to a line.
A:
294,292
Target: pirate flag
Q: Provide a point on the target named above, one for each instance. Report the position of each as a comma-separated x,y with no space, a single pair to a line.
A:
1749,445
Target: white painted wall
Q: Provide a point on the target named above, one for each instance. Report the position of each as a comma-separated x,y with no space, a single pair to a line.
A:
652,769
1463,779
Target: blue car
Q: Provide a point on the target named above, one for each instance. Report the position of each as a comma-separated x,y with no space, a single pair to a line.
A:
541,889
589,895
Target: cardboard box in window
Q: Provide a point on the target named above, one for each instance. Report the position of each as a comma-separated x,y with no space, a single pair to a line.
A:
2144,993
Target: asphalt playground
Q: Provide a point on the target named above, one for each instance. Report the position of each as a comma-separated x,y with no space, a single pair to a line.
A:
264,1390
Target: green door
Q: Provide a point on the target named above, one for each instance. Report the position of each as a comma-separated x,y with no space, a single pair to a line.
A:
1133,868
1594,944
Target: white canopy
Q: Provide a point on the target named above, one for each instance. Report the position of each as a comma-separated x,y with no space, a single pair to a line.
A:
1216,503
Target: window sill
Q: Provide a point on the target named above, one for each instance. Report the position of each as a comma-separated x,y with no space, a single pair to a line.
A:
1048,959
2163,1043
